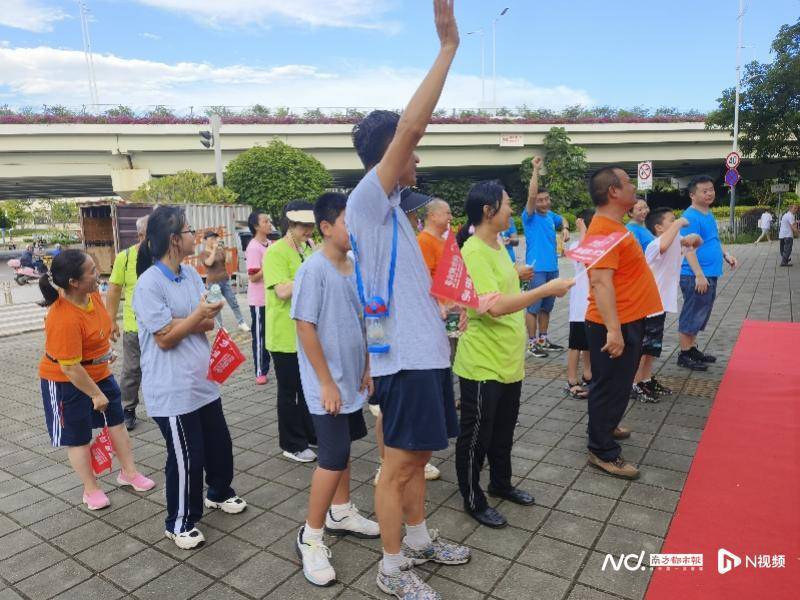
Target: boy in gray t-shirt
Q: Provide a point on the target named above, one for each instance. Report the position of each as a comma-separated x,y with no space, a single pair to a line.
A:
334,369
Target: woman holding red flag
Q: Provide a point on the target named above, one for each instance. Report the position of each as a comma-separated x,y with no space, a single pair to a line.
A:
490,360
78,390
173,318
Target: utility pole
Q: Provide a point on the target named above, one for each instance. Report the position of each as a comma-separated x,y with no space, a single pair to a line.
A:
87,52
211,139
740,19
494,58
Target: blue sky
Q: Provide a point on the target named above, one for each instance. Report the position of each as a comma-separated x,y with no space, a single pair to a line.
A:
307,53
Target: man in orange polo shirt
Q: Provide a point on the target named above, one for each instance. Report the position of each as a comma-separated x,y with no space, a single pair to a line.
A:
623,292
431,238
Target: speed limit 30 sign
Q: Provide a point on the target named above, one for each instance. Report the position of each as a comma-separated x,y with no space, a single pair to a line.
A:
733,160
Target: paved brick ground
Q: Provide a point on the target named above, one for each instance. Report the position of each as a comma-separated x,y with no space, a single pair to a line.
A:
50,546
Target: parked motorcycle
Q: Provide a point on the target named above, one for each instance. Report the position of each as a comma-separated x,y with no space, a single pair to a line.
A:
24,275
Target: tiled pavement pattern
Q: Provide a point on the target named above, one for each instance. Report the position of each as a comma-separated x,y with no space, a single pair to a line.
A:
50,546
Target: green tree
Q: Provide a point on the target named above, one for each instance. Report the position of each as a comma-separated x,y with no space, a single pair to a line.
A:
769,102
185,187
120,111
64,213
270,176
18,211
452,191
564,171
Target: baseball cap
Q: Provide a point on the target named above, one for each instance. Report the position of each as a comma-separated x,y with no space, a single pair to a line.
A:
411,200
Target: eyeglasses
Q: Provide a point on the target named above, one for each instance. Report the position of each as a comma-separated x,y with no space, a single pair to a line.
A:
192,231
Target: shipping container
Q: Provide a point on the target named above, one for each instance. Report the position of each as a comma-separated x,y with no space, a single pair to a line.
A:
109,227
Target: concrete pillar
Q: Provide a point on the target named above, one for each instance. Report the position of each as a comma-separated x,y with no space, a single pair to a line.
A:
126,181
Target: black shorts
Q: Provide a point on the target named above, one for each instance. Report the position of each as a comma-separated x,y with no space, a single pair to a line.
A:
334,436
419,409
577,336
70,414
653,335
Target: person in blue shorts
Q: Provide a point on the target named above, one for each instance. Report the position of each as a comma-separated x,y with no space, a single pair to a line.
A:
636,224
334,368
699,274
540,224
413,381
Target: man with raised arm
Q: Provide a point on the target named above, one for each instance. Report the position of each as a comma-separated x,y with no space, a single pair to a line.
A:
413,383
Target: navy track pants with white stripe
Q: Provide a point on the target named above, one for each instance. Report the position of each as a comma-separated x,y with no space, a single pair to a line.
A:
489,411
197,442
258,331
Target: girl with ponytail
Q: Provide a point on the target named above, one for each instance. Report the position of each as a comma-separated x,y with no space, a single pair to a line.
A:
173,318
490,358
78,390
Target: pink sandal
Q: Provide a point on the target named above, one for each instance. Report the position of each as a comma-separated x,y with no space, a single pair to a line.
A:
96,500
139,482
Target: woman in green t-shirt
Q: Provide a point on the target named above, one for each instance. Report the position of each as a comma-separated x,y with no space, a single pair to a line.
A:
490,360
281,261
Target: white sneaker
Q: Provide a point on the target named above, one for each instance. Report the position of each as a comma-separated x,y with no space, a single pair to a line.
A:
188,539
431,472
377,476
304,456
244,327
353,523
232,506
316,561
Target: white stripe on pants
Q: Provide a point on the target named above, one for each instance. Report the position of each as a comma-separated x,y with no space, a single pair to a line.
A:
179,447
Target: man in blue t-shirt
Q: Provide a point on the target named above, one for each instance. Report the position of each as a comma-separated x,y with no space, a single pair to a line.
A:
699,273
636,225
540,224
510,240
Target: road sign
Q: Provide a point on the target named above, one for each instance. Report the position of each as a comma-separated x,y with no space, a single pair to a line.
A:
732,177
644,176
512,140
733,160
779,188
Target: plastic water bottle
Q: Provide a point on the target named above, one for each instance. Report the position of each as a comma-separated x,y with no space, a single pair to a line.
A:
214,294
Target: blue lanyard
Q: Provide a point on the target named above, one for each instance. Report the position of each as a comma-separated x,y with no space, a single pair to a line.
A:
392,265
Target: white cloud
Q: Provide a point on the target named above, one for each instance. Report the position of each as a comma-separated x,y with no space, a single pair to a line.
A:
150,36
261,13
47,75
30,15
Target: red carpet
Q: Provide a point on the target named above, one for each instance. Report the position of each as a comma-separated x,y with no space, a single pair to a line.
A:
743,490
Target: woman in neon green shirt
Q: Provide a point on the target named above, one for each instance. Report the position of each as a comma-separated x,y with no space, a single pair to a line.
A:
281,261
490,360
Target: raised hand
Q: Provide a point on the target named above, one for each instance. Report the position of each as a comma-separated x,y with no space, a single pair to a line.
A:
536,163
446,26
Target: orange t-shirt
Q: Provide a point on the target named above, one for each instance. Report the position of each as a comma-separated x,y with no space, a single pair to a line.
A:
432,249
73,334
634,284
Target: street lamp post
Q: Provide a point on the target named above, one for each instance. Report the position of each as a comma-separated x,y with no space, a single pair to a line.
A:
483,64
210,139
494,58
740,19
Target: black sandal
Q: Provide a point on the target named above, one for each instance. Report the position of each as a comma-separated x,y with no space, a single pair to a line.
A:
580,393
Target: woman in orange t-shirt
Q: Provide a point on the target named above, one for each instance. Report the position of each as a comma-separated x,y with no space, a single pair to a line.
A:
78,390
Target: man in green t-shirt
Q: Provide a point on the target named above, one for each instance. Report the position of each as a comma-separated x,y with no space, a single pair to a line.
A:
123,278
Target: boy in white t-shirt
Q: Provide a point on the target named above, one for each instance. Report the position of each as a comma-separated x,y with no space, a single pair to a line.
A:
578,303
665,255
764,224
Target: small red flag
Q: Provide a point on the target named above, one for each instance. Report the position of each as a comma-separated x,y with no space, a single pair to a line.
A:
225,357
101,452
451,280
594,247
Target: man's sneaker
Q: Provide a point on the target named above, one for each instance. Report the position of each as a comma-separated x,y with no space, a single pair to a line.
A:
657,388
548,345
130,418
621,432
188,539
618,468
642,394
685,360
352,523
316,561
431,472
536,350
695,353
440,551
233,505
304,456
244,327
405,585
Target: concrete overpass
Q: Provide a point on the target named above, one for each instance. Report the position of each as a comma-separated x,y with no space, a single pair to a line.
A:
64,160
